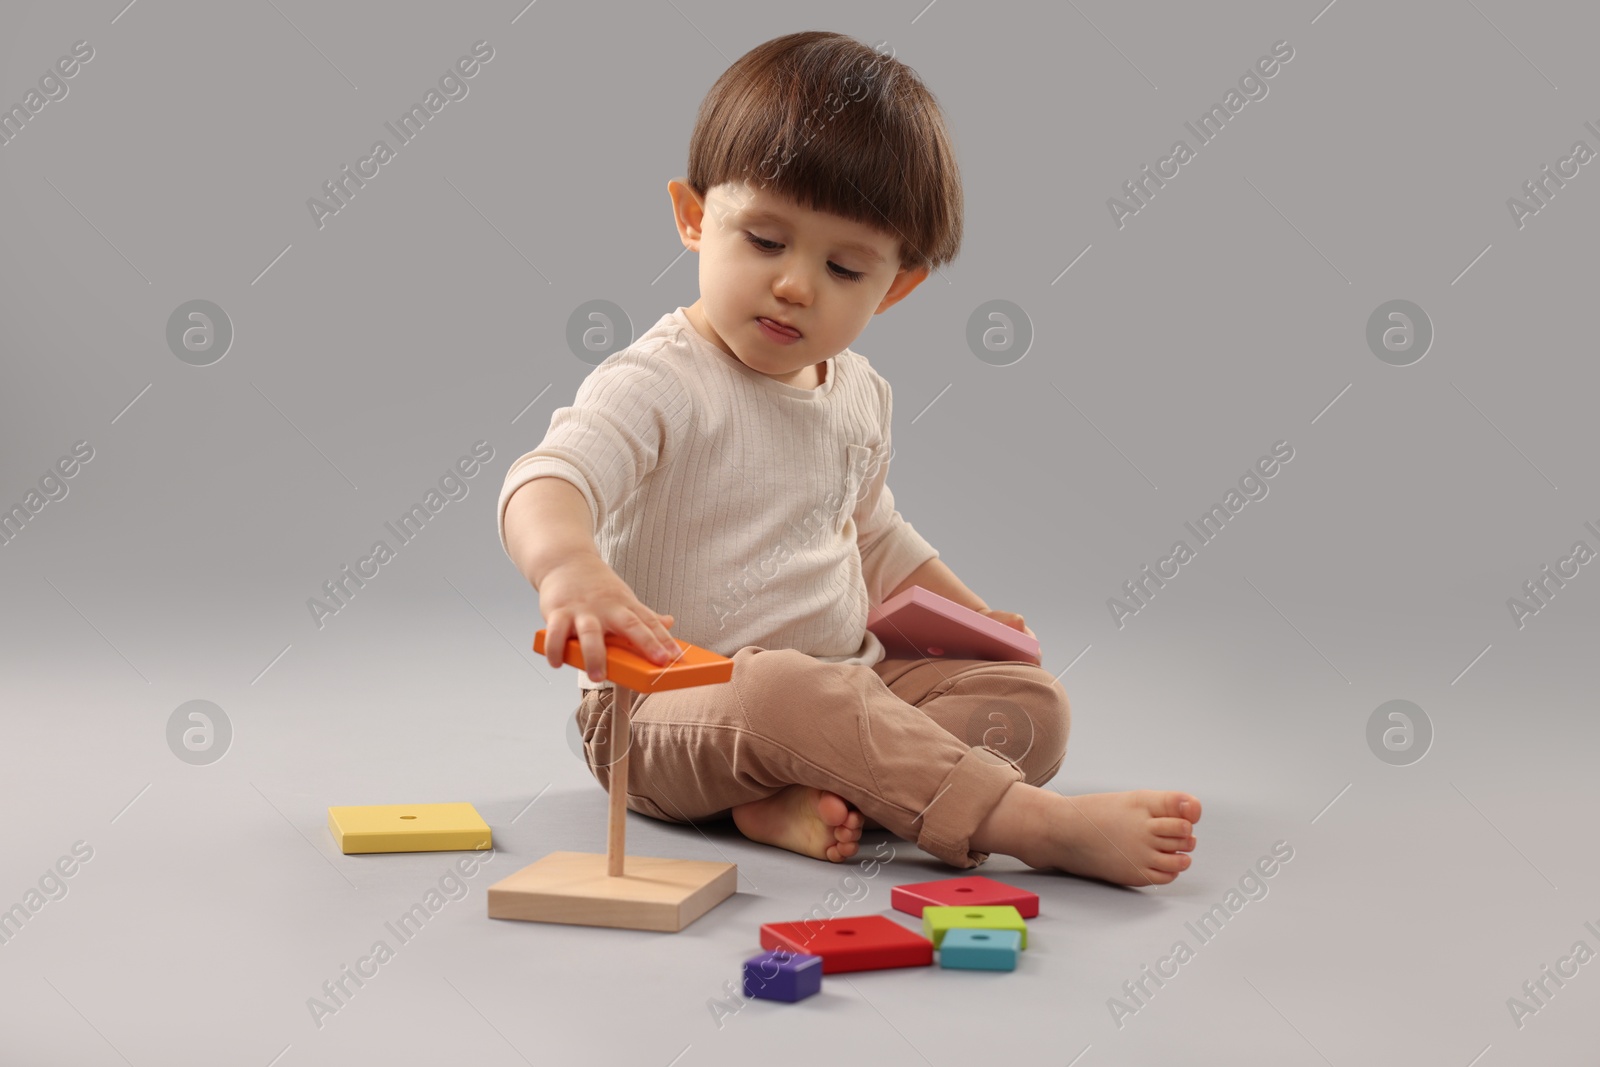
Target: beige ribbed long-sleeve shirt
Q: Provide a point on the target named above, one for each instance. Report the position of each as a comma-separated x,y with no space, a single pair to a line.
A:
753,512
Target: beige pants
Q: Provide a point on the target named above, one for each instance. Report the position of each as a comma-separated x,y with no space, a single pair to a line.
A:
924,747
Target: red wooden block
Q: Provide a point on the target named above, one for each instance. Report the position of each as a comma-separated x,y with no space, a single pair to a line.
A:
955,892
857,943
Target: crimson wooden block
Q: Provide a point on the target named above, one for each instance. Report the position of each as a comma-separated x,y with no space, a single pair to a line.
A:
858,943
974,890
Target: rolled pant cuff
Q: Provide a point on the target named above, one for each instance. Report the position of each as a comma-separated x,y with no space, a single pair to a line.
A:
967,795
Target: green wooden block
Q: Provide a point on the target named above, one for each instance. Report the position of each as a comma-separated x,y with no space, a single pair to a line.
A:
937,919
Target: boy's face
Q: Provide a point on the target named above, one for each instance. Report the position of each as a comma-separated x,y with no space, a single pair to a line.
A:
765,257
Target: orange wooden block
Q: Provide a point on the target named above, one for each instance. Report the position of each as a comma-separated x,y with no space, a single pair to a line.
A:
625,666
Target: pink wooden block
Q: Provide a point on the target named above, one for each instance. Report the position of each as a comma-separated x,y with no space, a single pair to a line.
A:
975,890
920,623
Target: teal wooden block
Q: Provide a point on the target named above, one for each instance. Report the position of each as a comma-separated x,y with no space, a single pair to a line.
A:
980,950
937,920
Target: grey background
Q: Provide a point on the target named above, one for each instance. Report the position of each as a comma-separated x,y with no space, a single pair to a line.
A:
430,313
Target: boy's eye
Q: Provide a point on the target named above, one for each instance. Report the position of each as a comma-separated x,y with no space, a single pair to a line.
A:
772,246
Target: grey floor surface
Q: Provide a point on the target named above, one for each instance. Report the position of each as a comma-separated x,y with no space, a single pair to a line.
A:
216,904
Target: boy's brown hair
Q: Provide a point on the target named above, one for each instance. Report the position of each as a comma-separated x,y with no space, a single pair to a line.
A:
827,122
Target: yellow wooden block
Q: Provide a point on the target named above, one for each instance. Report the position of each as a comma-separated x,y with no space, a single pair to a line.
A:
408,828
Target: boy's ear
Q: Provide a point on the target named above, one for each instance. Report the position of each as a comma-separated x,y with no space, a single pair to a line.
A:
905,281
688,210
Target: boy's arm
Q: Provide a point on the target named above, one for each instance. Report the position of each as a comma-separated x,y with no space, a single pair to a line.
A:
546,524
890,546
894,556
615,432
548,535
935,577
892,552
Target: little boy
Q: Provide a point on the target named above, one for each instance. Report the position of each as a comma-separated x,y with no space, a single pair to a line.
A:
730,469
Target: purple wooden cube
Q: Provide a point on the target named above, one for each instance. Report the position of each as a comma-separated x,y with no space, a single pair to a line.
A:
782,975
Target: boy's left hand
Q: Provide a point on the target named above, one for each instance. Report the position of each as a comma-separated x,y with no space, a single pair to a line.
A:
1010,618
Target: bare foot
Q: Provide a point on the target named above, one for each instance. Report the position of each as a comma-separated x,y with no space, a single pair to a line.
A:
803,819
1134,838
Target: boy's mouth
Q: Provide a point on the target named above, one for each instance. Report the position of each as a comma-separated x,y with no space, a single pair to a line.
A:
777,326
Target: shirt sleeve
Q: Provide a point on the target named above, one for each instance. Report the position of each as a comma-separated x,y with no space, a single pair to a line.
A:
891,549
619,428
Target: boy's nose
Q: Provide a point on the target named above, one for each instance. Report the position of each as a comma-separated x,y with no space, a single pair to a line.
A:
791,287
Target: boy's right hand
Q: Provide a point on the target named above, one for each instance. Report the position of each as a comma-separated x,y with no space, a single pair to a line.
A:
586,599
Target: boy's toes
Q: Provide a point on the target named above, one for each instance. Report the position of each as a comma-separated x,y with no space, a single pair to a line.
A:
1167,828
1171,862
1168,808
831,808
842,851
1172,805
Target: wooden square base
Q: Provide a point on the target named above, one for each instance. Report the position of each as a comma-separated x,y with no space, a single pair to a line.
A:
651,894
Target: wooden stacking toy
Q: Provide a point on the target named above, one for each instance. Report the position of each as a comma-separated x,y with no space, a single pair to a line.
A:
613,889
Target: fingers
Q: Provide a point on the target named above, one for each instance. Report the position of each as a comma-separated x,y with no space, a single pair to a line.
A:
651,639
556,642
1011,619
647,632
555,645
655,626
592,643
